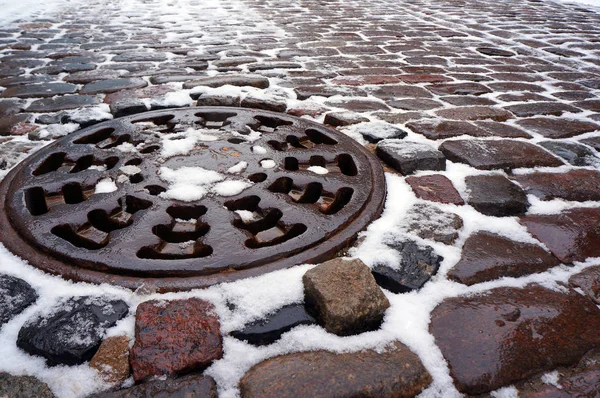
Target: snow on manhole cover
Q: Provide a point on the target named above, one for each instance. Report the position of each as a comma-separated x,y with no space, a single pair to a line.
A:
186,198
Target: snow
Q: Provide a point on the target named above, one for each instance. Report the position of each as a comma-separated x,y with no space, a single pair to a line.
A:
28,9
246,216
552,378
183,143
56,130
594,3
105,185
126,147
318,169
174,99
231,188
130,170
188,183
506,392
238,168
193,183
259,150
267,163
97,113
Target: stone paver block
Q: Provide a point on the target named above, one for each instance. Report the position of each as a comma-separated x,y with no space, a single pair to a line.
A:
557,128
397,372
344,296
174,337
575,154
495,195
436,188
574,185
446,129
112,359
408,157
232,80
498,154
509,334
572,235
487,256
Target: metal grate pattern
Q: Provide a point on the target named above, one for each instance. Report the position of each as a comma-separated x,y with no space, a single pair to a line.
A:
58,219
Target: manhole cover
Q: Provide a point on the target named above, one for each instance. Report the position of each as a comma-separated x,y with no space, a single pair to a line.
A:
189,197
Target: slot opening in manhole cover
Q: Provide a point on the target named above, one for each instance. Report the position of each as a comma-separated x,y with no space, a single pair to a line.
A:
187,198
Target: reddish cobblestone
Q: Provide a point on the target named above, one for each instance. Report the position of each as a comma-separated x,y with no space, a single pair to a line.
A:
174,337
508,334
436,188
572,235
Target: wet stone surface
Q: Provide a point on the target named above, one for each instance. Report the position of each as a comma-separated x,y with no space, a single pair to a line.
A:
575,154
436,188
186,386
495,195
500,154
23,386
557,128
487,256
396,372
339,309
42,90
574,185
416,266
112,359
588,280
509,334
113,85
174,337
56,104
267,331
15,296
572,235
408,157
72,333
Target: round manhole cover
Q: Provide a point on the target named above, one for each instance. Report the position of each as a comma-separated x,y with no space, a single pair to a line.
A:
186,198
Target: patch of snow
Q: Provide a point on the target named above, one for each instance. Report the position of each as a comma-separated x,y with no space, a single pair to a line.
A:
231,188
380,130
506,392
105,185
259,150
130,170
238,168
246,216
28,9
318,169
56,130
183,143
267,163
188,183
174,99
96,113
552,378
126,147
594,3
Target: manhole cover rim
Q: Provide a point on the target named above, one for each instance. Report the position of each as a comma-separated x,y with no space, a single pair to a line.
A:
319,252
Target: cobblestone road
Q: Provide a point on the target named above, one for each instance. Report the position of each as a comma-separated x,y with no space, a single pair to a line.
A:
481,85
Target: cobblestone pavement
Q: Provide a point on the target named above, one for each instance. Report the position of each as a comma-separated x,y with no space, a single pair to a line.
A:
469,95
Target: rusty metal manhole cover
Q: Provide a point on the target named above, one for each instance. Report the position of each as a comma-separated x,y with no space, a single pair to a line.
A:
190,197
